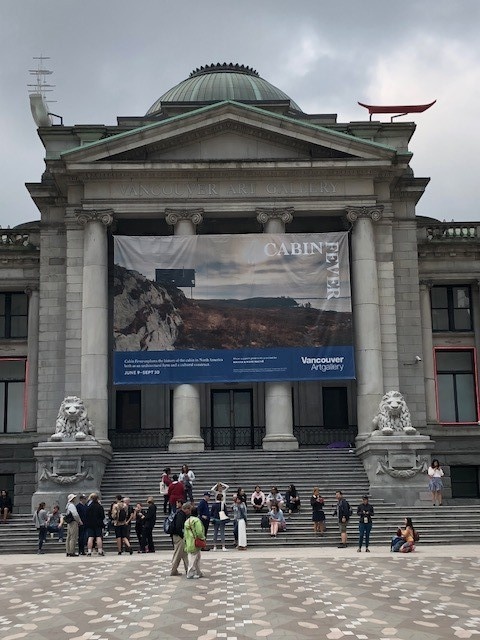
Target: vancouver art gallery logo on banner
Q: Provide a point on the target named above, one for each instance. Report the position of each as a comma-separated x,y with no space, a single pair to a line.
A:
232,308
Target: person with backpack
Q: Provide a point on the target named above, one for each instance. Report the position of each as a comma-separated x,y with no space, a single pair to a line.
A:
120,517
176,531
343,512
73,521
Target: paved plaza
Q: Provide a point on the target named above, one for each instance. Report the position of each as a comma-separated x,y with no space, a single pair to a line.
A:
302,593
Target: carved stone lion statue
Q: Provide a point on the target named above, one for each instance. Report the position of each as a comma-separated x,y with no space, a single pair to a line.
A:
73,422
393,416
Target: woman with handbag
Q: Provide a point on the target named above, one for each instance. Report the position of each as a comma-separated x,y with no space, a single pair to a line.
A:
194,542
219,516
165,482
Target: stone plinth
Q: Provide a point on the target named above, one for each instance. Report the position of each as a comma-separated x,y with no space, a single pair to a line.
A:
68,467
280,442
396,466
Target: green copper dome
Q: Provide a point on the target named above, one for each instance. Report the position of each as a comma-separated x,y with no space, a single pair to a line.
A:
218,82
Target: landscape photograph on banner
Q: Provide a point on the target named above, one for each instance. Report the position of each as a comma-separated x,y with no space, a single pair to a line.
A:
232,308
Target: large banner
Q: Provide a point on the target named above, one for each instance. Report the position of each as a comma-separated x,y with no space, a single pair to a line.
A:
232,308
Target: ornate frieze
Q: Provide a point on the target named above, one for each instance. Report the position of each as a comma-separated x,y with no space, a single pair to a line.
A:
173,216
284,214
374,213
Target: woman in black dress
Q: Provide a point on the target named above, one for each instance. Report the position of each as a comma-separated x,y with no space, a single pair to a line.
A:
292,499
318,514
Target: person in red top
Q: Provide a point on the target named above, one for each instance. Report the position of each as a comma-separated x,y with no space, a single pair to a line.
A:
176,491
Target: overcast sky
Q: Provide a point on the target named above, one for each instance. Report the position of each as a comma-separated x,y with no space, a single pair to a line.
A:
116,57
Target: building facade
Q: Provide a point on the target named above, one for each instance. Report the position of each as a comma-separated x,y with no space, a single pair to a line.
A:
226,153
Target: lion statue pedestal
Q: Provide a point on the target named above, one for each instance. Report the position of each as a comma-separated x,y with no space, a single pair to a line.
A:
395,456
72,461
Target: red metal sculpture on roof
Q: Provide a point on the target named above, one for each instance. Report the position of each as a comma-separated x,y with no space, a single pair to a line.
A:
399,110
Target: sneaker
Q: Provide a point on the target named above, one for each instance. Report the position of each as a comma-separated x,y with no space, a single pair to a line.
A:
101,553
119,553
175,573
89,553
342,546
214,548
224,549
367,550
130,551
359,550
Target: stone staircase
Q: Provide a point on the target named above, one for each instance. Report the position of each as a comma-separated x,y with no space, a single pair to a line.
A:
137,474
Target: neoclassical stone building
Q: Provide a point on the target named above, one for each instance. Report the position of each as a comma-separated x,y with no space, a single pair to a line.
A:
226,153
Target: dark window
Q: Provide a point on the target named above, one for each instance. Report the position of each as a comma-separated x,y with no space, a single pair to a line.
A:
13,315
456,392
335,407
451,308
465,481
12,391
128,410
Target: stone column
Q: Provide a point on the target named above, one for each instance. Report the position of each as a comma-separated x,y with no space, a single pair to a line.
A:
32,358
94,353
366,316
427,341
278,395
186,397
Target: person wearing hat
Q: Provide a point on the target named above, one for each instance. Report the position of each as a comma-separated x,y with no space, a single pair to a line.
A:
204,511
73,521
365,512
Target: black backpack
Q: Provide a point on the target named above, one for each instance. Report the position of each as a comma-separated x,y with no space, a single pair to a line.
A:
168,523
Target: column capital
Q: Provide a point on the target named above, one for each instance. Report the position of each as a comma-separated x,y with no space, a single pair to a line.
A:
105,216
173,216
427,284
374,213
31,289
285,214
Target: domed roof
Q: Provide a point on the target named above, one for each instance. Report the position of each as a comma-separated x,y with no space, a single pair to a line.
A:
218,82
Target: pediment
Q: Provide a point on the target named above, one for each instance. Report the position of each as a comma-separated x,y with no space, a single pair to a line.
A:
229,132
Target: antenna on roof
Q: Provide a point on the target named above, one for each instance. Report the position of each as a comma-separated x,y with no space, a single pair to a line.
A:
41,85
38,91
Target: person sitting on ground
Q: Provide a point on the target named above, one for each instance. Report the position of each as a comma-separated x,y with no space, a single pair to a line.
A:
404,541
292,499
6,505
94,518
55,522
275,497
318,514
258,499
276,520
